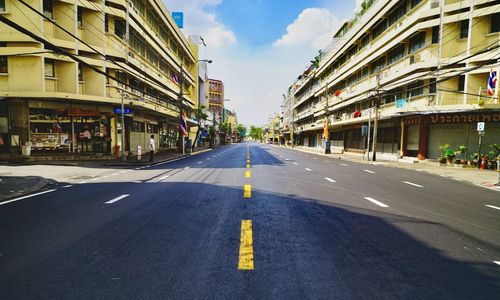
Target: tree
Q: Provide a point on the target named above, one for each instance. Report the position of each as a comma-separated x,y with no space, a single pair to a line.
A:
257,133
199,114
242,131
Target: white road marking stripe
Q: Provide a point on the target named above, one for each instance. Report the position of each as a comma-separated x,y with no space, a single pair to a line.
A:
414,184
28,196
443,175
345,165
164,177
307,169
497,262
186,168
295,163
368,171
494,207
117,199
67,186
329,179
200,162
376,202
457,179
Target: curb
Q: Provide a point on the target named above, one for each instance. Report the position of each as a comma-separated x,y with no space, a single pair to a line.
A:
42,183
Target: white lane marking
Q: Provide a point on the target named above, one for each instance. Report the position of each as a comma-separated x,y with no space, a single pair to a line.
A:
200,162
82,182
414,184
164,177
315,158
368,171
117,199
445,176
295,163
67,186
307,169
114,174
208,158
28,196
329,179
376,202
457,179
186,168
287,159
494,207
345,165
497,262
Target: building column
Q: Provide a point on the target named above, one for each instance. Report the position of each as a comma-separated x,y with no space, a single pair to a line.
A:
404,138
423,138
19,122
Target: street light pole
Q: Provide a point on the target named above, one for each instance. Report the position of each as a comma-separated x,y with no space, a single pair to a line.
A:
122,148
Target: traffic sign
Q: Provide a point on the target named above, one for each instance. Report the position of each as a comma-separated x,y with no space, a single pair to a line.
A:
480,126
126,110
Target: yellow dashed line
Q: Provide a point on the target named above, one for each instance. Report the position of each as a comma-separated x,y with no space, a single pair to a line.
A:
245,261
248,166
247,174
247,191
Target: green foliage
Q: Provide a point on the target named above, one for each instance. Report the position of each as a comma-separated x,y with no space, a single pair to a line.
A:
449,154
225,127
495,149
242,130
257,133
199,113
443,147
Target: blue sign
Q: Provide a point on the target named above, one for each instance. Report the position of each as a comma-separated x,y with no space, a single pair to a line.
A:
178,18
126,111
401,103
204,134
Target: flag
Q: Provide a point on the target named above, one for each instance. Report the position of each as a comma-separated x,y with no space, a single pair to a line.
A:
183,125
325,130
337,93
492,81
174,78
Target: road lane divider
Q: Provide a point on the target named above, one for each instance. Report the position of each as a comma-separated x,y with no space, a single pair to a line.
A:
117,199
247,191
295,163
497,262
28,196
494,207
164,177
344,165
248,166
307,169
376,202
413,184
368,171
245,261
248,174
329,179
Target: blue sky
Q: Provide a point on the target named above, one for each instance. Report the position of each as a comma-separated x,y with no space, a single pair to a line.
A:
259,47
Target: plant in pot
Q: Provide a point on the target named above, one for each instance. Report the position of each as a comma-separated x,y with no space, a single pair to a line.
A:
442,148
474,159
461,150
450,155
493,154
491,160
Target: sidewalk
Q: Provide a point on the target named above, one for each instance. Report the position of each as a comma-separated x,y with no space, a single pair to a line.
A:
14,186
484,178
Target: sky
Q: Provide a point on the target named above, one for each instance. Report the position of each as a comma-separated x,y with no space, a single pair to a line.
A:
259,47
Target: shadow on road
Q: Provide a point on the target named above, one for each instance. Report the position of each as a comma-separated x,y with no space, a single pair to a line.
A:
181,240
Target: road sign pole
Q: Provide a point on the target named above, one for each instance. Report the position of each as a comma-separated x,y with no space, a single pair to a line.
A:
122,148
479,156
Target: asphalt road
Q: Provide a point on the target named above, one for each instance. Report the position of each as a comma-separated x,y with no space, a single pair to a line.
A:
288,225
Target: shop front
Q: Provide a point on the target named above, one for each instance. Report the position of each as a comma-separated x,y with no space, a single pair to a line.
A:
71,129
4,128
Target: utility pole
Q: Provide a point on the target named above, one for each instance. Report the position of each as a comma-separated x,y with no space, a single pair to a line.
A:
369,130
181,133
375,122
122,148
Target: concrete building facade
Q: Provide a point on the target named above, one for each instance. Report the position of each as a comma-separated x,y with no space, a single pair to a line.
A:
67,64
421,66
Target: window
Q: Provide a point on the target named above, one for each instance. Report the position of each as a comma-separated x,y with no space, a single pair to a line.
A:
50,69
378,64
495,22
435,34
80,73
415,89
432,86
415,3
396,53
461,83
4,65
364,41
106,23
79,12
48,8
416,42
120,28
464,29
2,5
379,28
397,13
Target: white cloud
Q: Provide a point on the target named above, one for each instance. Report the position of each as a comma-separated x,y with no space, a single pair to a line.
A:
200,22
314,27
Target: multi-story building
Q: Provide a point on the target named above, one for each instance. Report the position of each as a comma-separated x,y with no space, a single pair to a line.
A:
273,129
231,119
66,65
421,65
216,99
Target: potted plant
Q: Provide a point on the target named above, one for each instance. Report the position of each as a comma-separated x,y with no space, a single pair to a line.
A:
491,160
461,150
474,159
450,155
442,148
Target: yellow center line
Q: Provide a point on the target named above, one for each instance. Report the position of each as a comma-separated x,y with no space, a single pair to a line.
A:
247,174
247,191
245,261
248,166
